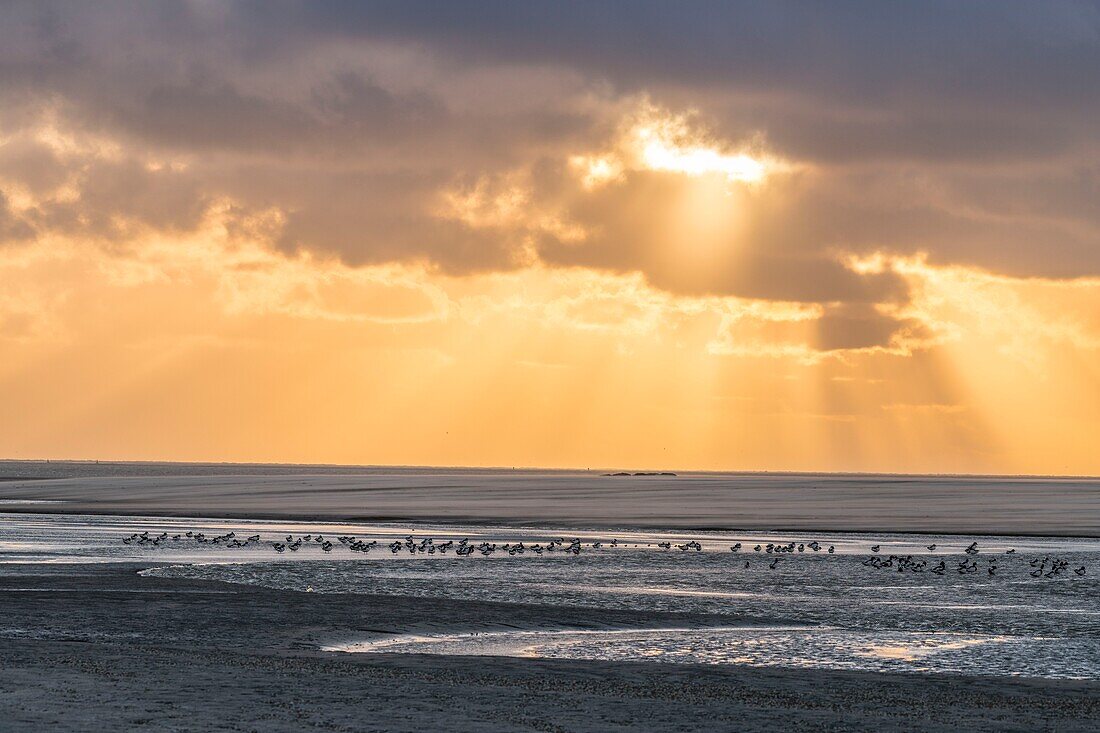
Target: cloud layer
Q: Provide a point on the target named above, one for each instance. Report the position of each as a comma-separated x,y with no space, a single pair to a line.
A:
963,131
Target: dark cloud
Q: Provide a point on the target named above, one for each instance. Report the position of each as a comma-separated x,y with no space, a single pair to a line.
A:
369,218
32,164
341,116
12,227
112,195
861,327
1012,54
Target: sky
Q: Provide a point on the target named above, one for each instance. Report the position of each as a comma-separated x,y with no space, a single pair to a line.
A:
849,236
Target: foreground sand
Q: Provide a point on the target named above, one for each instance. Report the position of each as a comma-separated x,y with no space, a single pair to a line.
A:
85,647
818,502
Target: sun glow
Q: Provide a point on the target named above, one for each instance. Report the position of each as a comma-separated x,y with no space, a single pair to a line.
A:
654,139
660,154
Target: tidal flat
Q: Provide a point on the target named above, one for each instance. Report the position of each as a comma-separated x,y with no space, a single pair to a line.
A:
221,622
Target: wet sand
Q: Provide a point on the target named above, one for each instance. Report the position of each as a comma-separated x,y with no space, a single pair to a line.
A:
98,646
808,502
87,647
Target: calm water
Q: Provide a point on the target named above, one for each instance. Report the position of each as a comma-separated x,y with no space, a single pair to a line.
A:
824,610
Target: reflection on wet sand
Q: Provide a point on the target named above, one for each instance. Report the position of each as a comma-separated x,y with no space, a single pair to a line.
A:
877,602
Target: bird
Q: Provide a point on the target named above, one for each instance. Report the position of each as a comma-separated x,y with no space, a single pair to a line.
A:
735,548
1010,551
874,548
931,547
972,549
831,549
1080,570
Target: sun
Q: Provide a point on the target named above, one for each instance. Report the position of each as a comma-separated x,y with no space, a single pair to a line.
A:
660,153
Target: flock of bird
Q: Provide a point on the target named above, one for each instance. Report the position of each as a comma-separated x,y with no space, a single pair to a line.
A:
1045,567
429,546
230,539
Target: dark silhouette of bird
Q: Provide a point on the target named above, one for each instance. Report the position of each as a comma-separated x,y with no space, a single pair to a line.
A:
874,548
931,547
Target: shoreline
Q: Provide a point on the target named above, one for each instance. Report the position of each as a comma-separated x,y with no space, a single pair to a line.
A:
302,518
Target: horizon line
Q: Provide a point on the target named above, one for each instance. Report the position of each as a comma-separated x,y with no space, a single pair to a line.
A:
788,472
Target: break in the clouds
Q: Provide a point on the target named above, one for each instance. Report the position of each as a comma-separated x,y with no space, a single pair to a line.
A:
483,137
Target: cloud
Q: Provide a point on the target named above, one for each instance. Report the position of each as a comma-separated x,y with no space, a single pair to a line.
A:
783,139
12,227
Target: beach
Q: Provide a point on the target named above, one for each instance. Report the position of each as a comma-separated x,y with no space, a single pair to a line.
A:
120,608
106,648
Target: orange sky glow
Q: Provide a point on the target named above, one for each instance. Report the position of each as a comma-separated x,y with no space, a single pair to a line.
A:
563,270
